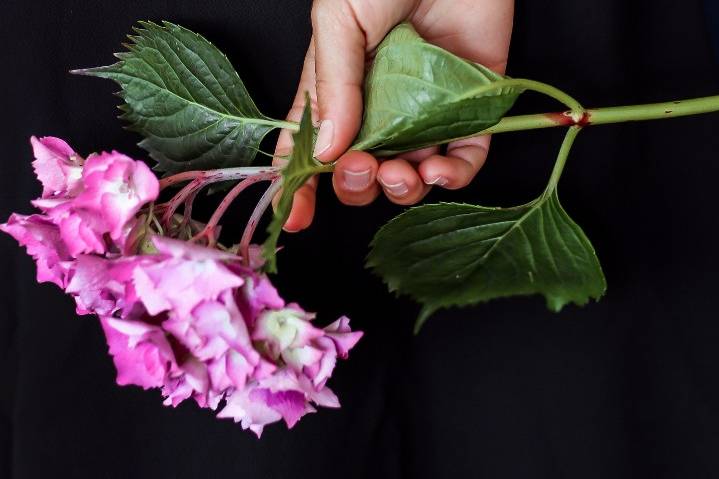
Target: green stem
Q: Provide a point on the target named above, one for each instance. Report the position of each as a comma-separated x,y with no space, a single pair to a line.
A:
545,89
577,115
569,138
603,116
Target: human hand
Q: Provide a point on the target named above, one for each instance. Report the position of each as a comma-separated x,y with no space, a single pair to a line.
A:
346,33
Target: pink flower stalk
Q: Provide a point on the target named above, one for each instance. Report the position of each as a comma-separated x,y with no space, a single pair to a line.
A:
194,321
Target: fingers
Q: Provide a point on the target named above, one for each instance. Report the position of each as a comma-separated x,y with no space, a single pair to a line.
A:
354,178
344,31
303,207
339,69
358,175
307,84
457,169
420,155
401,182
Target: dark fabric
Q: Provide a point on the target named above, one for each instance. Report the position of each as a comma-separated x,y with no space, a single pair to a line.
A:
624,388
712,9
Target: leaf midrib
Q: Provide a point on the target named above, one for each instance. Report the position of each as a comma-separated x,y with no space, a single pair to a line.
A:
533,207
239,119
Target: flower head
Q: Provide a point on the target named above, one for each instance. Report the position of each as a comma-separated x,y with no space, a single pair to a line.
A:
196,322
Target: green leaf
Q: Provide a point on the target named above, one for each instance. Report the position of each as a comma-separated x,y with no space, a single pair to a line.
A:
183,95
417,95
300,168
457,254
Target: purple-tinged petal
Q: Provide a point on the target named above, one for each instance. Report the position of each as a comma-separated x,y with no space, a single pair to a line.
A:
290,404
321,371
343,337
253,415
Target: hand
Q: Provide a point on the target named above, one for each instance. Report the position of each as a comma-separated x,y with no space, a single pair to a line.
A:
346,32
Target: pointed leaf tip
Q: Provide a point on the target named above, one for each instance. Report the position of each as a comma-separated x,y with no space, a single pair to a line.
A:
186,99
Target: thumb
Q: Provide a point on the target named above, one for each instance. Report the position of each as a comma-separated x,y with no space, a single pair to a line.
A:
341,34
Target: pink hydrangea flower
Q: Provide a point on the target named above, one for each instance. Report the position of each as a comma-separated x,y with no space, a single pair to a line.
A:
193,321
43,241
57,166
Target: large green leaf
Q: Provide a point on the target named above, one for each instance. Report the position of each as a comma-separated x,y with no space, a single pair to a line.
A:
417,95
457,254
300,168
183,95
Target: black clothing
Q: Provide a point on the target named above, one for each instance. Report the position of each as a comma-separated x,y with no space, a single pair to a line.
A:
624,388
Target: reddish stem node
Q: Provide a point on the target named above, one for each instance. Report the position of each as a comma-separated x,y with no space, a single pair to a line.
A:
568,118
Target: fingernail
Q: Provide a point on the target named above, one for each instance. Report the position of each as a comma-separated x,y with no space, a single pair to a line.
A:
324,137
357,180
439,181
396,189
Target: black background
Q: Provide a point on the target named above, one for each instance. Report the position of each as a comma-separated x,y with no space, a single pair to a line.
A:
627,387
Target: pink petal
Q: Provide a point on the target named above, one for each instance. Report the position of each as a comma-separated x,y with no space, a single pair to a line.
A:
43,242
56,165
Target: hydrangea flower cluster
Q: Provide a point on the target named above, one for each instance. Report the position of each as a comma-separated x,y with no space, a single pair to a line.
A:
194,321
